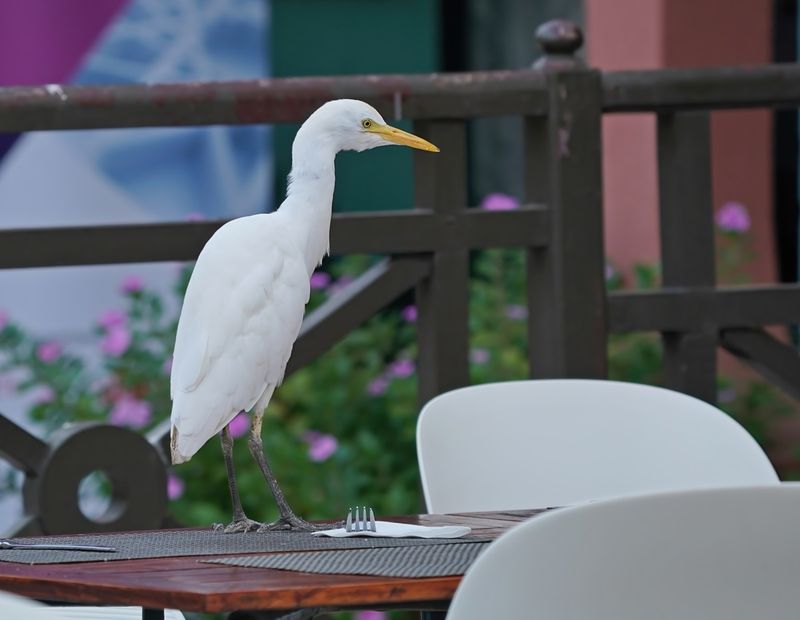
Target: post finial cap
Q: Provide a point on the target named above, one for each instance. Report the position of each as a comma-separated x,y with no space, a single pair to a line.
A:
559,37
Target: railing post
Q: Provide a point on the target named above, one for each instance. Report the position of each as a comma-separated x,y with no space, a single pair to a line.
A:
440,184
566,287
687,243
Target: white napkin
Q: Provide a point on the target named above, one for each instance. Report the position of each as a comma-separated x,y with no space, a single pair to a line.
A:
387,529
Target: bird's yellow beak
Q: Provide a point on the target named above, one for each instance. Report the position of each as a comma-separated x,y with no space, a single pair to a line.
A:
398,136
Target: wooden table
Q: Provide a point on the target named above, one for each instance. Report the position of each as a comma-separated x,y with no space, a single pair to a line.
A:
185,583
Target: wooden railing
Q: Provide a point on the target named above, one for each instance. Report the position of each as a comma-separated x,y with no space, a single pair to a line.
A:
560,226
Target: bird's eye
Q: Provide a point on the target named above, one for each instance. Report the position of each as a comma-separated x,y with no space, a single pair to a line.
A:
366,123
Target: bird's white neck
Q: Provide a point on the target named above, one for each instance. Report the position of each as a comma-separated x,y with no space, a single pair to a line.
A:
309,197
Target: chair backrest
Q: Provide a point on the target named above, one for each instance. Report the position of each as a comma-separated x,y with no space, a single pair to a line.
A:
13,606
531,444
712,554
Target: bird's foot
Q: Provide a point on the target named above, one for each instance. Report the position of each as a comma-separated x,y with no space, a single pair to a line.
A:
293,523
238,525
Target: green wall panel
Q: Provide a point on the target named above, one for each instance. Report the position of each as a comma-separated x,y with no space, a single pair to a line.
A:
341,37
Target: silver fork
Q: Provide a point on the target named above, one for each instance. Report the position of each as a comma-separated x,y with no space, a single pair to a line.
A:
361,522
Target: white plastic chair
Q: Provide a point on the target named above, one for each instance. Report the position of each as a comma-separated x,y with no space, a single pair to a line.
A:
78,612
13,606
539,443
713,554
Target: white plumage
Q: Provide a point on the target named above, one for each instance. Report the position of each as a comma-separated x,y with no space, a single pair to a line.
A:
241,314
245,300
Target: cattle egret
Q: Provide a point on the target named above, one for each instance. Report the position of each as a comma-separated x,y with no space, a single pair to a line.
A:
245,300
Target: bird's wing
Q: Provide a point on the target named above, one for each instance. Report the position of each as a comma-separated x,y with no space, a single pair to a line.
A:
241,315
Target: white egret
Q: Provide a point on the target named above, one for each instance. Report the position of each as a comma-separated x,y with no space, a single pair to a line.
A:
245,300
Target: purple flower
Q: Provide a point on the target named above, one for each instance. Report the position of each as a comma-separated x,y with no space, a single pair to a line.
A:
112,318
610,272
402,368
3,319
130,411
175,487
409,314
378,386
167,367
516,312
194,216
479,356
371,614
320,280
733,217
48,352
239,425
726,395
132,284
499,202
116,341
320,445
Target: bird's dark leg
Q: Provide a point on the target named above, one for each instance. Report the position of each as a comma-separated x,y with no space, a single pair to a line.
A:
240,521
288,520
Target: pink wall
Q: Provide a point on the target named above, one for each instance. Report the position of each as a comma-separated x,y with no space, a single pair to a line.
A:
640,34
43,41
628,34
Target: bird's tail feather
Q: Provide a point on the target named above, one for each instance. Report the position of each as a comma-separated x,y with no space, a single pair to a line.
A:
174,446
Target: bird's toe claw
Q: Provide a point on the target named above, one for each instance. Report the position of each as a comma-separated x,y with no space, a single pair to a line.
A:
296,524
238,525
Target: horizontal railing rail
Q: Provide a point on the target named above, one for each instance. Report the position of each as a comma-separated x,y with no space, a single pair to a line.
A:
663,90
379,232
280,100
456,95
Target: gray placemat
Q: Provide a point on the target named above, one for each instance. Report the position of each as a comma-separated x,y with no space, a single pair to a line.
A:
163,544
407,561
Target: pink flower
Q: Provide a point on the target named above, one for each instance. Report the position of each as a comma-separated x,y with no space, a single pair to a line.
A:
116,341
48,352
479,356
402,368
409,314
320,445
130,411
340,285
239,425
8,383
371,614
132,284
45,394
3,319
516,312
175,487
378,386
320,280
499,202
167,367
112,318
733,217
